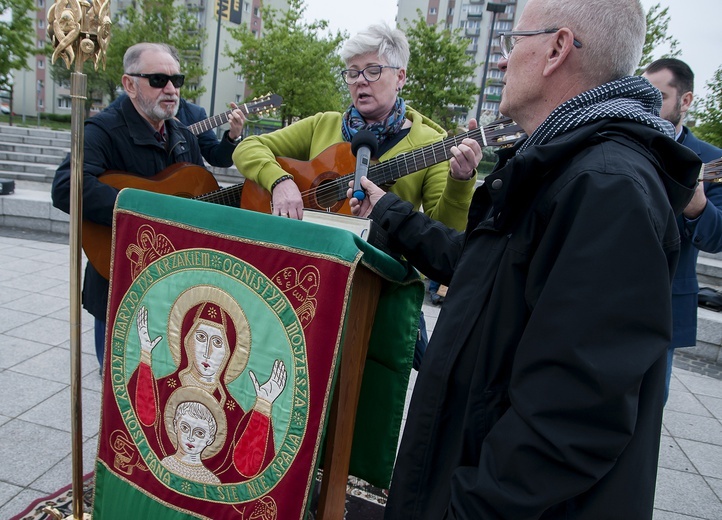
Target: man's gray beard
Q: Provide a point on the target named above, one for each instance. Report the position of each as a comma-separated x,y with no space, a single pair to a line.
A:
154,111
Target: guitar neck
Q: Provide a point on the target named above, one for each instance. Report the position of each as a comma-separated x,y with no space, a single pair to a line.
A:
387,172
211,122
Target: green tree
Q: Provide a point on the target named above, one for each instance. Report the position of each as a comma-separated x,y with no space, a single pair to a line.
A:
293,60
439,73
709,112
17,38
656,37
155,21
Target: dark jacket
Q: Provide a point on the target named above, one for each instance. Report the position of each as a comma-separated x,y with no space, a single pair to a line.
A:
215,152
701,234
541,392
119,139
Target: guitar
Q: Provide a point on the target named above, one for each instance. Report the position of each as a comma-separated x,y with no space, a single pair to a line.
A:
713,171
182,179
323,181
255,106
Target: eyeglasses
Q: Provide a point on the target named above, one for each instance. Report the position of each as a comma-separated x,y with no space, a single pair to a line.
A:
506,39
371,73
158,80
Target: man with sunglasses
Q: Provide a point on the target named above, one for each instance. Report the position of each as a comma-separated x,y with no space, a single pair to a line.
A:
140,136
541,393
216,152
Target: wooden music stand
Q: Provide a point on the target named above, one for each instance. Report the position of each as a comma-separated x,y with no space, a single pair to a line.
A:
339,435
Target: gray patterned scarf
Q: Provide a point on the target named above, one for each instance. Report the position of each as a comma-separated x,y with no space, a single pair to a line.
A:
630,98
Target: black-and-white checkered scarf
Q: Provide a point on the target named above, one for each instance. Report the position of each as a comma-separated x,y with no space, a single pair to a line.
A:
630,98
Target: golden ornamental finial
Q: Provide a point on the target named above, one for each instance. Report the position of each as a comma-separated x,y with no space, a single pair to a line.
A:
80,30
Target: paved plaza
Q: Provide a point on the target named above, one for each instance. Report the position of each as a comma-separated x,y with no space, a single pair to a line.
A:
35,393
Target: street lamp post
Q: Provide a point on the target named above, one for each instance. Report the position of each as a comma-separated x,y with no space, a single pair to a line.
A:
495,9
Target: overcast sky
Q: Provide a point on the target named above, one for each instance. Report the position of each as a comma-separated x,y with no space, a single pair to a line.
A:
694,23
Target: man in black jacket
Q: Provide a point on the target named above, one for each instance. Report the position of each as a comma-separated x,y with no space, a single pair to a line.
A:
139,136
541,393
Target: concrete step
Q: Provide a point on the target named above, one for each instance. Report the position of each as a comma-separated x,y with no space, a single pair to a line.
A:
59,142
709,270
36,157
6,129
28,167
56,152
27,176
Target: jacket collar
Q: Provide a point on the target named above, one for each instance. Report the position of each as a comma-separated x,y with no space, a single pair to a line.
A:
143,134
517,177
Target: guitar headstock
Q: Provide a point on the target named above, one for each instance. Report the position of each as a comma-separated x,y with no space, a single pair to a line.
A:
713,171
503,132
263,105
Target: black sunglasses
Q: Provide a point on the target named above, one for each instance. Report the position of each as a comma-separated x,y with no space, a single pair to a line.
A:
158,80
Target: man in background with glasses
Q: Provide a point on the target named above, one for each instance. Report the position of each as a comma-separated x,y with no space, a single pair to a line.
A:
139,136
542,388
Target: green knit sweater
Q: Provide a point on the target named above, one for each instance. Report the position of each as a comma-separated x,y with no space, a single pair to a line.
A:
442,197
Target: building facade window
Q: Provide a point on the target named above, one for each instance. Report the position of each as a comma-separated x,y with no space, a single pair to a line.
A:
432,10
64,102
41,64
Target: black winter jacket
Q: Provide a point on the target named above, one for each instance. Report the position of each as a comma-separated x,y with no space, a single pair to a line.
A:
540,395
118,139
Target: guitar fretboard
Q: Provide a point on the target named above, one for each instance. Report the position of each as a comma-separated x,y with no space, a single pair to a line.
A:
409,162
211,122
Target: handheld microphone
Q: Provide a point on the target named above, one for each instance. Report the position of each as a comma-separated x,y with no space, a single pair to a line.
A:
363,145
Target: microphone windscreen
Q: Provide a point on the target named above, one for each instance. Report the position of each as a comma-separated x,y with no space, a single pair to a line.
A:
364,138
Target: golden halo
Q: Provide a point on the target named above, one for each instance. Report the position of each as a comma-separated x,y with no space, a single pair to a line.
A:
208,293
193,394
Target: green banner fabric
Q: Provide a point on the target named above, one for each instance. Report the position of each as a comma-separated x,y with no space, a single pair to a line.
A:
223,340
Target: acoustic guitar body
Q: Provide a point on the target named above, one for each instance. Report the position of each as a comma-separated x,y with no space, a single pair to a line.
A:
182,179
317,180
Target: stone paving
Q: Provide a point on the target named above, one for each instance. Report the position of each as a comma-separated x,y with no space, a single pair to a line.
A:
35,393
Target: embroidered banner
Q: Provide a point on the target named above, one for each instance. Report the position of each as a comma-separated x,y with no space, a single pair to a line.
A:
220,364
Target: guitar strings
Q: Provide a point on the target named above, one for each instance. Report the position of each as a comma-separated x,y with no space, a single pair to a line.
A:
383,173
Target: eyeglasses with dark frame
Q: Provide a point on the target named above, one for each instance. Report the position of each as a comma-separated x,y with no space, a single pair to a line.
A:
158,80
506,42
371,73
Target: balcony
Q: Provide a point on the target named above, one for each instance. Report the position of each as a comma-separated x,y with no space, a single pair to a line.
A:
475,11
472,31
472,48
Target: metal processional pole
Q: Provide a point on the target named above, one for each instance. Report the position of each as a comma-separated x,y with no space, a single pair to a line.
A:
80,30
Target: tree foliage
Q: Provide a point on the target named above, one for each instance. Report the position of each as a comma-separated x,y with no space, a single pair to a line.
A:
155,21
17,38
439,73
293,60
656,37
709,112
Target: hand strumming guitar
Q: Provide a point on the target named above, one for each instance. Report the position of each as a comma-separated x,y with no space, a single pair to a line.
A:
287,200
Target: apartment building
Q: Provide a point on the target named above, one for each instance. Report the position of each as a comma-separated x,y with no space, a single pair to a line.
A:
474,19
35,91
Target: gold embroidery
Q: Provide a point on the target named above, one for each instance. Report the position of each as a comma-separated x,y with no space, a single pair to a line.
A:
149,247
300,287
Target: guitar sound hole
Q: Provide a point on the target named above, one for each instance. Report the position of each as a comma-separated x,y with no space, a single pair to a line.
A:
327,194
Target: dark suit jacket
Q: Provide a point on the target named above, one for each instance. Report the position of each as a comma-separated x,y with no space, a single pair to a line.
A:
701,234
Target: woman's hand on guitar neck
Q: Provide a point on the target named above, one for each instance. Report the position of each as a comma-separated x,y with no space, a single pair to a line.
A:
287,201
